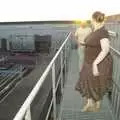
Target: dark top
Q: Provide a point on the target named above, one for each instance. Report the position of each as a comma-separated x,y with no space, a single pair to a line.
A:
92,45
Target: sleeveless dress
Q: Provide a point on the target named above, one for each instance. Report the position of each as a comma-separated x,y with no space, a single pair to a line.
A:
88,85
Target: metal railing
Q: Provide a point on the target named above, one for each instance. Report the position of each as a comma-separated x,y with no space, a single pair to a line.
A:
115,96
25,110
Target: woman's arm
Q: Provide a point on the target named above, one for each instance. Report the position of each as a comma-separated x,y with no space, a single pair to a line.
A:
105,46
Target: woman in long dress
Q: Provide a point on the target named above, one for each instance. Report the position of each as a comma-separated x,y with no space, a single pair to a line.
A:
96,73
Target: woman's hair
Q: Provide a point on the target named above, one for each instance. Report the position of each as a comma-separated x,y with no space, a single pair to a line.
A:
98,16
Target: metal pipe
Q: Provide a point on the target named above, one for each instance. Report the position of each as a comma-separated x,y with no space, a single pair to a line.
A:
61,73
114,50
54,92
28,114
113,34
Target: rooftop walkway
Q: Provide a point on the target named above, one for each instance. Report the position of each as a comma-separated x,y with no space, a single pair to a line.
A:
72,102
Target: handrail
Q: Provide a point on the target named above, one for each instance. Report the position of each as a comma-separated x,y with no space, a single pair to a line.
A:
116,51
115,96
113,34
20,114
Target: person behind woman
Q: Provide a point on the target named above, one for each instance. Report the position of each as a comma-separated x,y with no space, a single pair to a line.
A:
96,74
81,33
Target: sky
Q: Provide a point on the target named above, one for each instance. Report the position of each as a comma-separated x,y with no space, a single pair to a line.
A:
47,10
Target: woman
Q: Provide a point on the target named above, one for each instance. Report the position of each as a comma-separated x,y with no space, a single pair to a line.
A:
96,73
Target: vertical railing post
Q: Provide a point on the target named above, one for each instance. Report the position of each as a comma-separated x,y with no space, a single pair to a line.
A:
113,95
69,48
61,73
117,107
28,114
65,62
54,91
21,74
36,60
115,101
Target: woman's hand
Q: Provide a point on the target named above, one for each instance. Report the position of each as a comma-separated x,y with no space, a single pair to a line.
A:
105,48
95,70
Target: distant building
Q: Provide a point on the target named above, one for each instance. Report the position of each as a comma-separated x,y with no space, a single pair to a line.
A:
113,18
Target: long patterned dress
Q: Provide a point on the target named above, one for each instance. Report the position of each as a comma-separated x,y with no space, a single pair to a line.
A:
88,85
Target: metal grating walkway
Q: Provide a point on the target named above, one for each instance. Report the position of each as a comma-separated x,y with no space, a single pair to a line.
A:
72,102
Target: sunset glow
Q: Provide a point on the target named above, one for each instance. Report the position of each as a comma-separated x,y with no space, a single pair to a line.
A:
40,10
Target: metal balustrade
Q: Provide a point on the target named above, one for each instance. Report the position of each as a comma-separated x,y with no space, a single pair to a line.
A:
64,53
115,96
